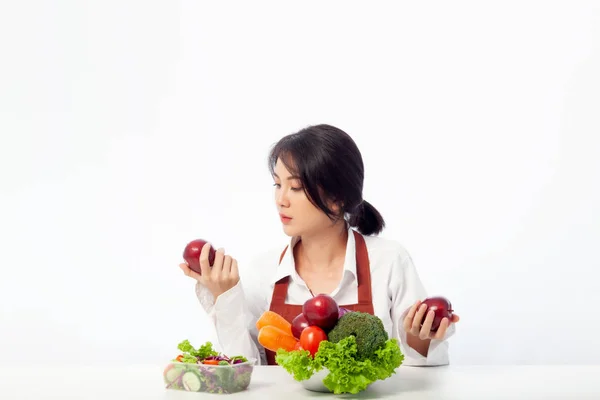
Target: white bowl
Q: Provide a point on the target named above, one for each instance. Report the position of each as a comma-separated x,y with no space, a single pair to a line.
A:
315,382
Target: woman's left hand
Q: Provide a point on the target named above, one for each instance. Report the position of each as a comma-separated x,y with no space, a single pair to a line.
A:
417,323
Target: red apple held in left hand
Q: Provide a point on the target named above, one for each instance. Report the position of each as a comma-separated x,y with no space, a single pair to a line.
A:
191,254
442,308
322,311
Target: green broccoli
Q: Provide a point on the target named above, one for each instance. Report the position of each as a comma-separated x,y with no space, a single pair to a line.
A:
366,328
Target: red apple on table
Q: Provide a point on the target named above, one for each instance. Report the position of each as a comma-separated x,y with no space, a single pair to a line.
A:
191,254
298,325
322,311
442,308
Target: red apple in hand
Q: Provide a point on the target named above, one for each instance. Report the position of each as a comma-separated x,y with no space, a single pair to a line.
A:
298,325
442,308
191,254
322,311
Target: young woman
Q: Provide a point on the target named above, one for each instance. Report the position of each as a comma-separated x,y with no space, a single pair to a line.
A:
333,249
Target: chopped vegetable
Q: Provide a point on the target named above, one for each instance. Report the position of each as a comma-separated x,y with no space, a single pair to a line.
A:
204,355
191,381
343,311
190,353
172,373
270,318
206,370
273,338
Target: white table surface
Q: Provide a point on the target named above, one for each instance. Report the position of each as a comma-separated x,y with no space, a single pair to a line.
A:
432,383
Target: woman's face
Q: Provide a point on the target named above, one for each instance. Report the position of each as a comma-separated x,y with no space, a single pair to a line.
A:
298,215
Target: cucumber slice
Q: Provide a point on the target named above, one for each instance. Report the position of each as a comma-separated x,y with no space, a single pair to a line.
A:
191,382
172,374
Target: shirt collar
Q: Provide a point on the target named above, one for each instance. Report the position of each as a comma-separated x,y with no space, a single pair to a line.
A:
287,266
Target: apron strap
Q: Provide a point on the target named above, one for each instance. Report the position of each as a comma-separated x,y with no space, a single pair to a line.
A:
363,270
281,286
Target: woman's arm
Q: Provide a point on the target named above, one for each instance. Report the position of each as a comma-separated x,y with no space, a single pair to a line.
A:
405,291
421,346
230,301
233,320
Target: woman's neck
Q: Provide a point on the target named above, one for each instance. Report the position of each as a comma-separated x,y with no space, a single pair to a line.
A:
323,250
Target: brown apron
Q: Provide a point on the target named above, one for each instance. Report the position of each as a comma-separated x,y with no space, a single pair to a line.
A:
365,303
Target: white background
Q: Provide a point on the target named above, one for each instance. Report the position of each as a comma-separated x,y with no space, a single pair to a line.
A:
131,127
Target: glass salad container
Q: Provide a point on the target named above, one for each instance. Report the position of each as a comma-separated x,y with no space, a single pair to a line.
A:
221,379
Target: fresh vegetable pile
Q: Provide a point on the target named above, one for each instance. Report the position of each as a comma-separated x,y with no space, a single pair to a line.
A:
353,346
206,370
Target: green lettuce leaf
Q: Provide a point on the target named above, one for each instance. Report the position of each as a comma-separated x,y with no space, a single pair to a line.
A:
192,355
187,358
346,373
297,363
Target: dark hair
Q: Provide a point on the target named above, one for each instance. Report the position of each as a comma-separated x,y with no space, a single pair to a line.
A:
330,166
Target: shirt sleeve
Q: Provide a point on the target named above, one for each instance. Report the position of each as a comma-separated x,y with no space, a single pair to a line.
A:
235,312
234,319
405,289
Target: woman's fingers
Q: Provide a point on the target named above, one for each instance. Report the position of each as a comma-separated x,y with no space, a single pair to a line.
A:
441,331
425,331
218,278
226,270
235,275
184,267
416,323
189,272
408,320
208,271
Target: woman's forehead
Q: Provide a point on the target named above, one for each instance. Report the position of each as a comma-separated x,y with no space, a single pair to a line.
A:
282,170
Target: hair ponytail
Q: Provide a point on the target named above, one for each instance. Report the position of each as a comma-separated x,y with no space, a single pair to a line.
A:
367,219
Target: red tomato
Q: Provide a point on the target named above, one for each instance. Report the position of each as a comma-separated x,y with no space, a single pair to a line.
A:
311,337
298,347
211,362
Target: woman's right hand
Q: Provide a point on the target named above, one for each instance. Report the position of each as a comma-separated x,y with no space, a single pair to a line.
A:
222,276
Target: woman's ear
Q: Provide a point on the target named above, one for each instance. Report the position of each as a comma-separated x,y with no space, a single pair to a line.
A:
336,206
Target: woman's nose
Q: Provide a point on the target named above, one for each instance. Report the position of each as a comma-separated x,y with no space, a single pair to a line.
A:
282,199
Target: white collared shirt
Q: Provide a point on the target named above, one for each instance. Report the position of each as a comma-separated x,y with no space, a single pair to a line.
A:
395,288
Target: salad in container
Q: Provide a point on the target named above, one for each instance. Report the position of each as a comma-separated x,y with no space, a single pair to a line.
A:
328,348
206,370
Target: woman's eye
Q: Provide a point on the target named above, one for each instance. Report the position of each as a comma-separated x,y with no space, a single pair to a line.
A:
295,189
